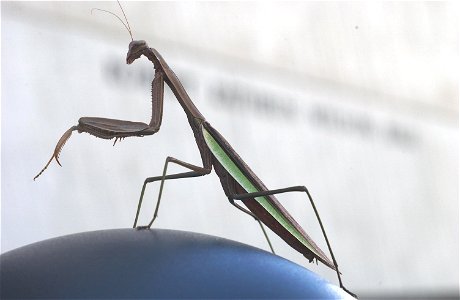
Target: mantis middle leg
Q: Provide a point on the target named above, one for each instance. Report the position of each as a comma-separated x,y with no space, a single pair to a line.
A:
232,202
196,171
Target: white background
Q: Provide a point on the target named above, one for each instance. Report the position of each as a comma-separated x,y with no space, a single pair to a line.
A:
357,101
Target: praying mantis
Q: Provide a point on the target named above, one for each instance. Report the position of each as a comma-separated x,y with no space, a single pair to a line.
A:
239,183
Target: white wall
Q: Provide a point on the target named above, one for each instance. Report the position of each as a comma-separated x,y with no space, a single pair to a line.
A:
359,102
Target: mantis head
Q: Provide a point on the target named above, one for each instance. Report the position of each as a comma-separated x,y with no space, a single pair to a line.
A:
136,48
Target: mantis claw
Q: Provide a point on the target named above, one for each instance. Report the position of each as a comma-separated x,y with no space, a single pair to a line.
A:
57,160
58,149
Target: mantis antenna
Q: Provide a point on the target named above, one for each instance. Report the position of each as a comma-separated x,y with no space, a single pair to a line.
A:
127,23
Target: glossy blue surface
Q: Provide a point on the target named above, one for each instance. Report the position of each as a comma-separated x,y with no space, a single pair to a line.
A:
129,263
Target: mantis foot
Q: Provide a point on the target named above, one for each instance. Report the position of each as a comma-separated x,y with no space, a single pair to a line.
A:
142,227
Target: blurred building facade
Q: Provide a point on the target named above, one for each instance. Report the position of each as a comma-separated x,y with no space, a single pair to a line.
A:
357,101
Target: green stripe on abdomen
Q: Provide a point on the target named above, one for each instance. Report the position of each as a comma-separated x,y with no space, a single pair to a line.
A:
239,176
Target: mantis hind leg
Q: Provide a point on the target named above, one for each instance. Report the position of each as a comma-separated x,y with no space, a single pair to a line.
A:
196,171
248,196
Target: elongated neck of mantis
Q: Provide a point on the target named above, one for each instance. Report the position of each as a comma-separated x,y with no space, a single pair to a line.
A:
175,85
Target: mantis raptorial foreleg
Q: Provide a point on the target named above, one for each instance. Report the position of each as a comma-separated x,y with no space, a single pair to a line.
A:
57,150
196,171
